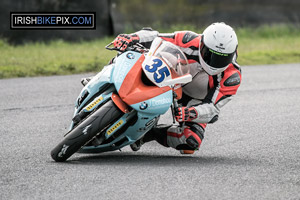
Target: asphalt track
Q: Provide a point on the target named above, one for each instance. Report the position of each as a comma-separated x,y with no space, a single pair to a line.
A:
252,152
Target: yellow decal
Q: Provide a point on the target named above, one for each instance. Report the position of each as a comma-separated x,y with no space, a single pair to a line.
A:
94,103
110,131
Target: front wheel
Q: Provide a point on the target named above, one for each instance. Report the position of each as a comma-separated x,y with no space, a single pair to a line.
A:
86,131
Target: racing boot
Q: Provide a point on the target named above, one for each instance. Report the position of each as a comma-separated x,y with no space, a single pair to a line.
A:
158,133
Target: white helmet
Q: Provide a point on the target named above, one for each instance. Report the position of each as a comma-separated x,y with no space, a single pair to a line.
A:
217,48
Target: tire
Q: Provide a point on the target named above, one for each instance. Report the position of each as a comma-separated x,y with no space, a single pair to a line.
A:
86,131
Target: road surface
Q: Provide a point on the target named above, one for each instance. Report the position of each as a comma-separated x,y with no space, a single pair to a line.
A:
252,152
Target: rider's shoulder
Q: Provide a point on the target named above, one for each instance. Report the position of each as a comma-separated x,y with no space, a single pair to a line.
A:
188,37
232,75
233,67
147,29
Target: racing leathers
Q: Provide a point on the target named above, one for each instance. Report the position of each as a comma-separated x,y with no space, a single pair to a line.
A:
202,98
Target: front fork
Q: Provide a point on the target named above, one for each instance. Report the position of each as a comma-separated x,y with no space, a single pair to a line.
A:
174,108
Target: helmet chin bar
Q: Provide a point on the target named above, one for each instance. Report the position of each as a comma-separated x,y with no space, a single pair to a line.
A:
211,70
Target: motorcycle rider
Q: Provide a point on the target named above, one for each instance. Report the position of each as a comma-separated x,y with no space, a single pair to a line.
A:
216,77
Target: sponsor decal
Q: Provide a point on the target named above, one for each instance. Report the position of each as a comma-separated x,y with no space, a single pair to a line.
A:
221,46
63,150
143,106
233,80
193,114
218,53
94,103
159,102
130,56
85,130
115,127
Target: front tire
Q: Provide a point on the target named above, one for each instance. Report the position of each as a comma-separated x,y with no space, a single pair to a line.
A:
86,131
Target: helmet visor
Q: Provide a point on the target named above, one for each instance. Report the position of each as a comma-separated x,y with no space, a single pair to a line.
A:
215,59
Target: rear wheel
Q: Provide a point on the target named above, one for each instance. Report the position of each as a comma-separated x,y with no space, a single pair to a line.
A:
86,131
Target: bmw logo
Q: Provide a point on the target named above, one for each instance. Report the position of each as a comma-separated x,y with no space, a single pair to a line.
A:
143,106
130,56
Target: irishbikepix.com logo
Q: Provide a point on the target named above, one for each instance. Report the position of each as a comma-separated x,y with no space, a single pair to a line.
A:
74,20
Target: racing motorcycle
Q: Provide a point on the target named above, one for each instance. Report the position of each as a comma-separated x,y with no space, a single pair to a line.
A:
124,100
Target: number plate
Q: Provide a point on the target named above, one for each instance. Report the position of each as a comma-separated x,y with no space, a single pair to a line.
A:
157,71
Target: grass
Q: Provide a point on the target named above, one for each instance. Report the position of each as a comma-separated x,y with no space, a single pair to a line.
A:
263,45
53,58
269,51
269,45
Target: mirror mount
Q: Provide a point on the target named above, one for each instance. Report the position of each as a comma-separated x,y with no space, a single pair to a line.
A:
179,80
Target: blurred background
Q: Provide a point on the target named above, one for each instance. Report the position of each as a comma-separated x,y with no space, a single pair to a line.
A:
263,27
117,16
238,13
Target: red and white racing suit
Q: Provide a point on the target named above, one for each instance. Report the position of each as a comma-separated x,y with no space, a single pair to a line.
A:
207,94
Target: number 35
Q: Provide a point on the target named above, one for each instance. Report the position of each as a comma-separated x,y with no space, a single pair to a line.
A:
158,75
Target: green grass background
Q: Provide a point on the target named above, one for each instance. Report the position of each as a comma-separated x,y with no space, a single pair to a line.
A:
263,45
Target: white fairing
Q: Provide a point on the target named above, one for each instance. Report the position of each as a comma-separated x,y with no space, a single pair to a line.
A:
104,75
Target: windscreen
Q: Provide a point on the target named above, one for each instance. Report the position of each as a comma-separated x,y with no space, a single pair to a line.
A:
171,55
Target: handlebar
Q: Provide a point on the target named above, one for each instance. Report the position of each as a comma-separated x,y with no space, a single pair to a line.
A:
111,48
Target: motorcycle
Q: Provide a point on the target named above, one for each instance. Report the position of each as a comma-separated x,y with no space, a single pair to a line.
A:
124,100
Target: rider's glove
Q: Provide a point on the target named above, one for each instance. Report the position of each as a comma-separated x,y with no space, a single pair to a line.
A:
122,41
184,114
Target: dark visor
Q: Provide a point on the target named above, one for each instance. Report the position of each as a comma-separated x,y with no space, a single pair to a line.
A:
215,59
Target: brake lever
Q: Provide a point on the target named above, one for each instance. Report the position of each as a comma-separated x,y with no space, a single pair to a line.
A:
112,48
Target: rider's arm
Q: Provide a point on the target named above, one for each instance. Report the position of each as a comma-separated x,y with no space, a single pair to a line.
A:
182,39
146,36
223,88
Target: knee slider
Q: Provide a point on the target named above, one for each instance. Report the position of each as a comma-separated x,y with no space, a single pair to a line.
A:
193,141
197,129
